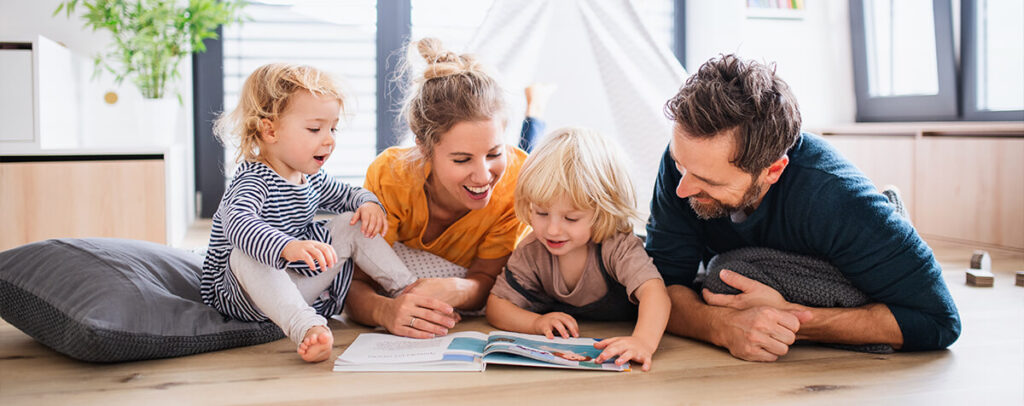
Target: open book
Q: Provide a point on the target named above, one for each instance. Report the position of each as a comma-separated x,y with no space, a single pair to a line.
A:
469,351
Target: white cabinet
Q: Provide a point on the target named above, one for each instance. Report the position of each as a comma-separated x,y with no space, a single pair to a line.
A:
39,96
17,110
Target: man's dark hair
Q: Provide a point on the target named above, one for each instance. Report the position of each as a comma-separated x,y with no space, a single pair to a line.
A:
729,93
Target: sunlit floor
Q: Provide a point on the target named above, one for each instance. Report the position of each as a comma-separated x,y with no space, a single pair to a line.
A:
985,366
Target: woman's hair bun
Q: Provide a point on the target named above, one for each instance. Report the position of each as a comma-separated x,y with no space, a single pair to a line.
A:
442,62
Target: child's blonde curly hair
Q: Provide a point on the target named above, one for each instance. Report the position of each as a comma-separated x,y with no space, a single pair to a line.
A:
266,94
589,171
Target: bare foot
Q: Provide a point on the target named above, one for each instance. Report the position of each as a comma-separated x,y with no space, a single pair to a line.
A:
316,345
537,95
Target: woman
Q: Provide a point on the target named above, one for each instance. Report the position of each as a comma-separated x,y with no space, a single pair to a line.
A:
451,195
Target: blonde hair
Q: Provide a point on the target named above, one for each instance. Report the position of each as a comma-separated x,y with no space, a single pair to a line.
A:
266,94
586,168
452,89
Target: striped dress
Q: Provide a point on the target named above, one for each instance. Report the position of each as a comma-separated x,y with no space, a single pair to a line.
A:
259,214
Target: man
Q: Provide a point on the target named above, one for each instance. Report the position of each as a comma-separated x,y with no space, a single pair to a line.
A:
739,173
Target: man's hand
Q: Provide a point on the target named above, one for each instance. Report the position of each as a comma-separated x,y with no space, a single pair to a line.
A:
760,333
752,294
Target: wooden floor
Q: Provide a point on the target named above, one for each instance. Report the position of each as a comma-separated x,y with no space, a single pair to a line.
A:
985,366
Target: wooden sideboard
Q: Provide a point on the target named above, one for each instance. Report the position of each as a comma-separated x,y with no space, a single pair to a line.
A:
82,195
961,181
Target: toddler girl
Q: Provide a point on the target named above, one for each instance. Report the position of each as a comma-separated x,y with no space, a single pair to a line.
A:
268,258
581,261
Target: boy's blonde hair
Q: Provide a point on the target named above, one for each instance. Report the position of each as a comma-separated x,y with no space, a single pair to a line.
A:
266,94
451,89
586,168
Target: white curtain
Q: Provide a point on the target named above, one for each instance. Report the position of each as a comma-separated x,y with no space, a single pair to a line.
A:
612,75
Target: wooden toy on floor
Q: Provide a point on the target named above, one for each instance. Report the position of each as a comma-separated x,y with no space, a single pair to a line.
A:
980,273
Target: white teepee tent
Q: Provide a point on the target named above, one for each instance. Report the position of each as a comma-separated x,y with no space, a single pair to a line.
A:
611,74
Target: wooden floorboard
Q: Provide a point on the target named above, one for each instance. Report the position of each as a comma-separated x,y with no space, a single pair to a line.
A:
985,366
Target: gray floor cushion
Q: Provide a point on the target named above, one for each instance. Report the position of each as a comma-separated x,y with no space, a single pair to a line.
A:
111,300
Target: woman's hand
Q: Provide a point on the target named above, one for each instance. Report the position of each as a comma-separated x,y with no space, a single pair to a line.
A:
373,217
564,323
310,252
417,316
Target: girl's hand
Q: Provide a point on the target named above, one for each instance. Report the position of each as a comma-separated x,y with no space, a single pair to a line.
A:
310,252
373,217
626,348
415,316
564,323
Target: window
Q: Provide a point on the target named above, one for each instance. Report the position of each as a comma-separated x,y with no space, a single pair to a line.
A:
336,36
900,48
993,59
905,66
358,41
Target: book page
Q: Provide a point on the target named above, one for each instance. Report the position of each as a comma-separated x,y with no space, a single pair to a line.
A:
374,348
577,353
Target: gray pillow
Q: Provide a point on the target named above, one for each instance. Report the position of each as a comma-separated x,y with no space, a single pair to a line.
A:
110,300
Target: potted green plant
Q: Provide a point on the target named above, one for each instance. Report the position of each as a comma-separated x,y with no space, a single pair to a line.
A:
151,37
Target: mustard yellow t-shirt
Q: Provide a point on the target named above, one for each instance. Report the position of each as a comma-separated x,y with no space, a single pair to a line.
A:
486,233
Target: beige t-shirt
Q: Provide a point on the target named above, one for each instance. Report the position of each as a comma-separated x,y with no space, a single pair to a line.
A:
537,270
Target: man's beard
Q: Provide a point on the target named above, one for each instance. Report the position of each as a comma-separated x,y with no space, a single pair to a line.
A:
717,209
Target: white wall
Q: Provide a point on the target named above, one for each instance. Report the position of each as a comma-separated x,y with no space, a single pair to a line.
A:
812,54
105,126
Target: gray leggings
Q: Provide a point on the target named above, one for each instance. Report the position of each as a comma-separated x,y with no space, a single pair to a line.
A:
285,297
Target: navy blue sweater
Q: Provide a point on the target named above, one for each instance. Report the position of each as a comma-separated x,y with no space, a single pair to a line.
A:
822,206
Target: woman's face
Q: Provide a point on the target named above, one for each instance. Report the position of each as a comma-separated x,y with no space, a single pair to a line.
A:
466,164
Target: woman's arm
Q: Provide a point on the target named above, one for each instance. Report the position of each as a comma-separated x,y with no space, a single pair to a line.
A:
469,293
409,314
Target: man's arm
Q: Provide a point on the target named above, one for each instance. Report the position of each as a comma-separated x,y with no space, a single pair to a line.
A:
882,255
760,333
869,324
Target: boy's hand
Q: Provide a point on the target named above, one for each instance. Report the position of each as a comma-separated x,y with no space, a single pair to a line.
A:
373,217
310,252
564,323
627,348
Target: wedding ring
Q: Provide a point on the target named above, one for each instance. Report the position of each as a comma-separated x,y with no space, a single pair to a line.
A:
412,322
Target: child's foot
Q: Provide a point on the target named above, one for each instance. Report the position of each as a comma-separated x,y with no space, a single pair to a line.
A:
316,345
